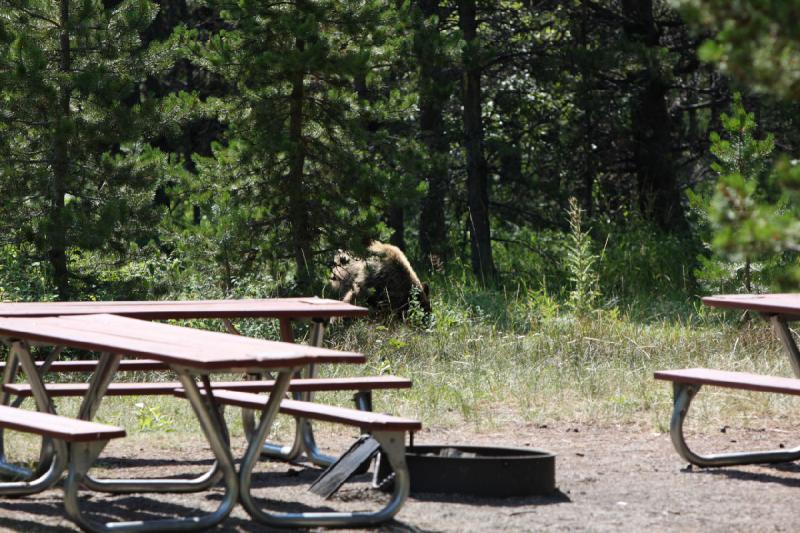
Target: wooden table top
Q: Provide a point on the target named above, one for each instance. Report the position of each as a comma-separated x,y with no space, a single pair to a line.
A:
191,347
786,304
306,307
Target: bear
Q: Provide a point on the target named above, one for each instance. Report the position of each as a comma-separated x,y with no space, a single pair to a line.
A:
384,280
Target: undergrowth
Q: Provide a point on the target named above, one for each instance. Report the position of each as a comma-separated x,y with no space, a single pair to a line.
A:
539,363
492,361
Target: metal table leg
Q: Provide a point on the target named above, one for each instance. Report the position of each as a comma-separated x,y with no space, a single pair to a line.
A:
683,395
50,477
304,434
56,460
781,328
91,402
393,447
283,452
83,455
9,376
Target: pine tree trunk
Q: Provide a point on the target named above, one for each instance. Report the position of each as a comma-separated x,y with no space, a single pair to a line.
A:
396,219
433,94
659,192
584,101
57,222
394,214
477,179
298,204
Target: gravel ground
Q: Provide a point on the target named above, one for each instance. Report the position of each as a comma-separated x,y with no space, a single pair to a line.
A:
609,478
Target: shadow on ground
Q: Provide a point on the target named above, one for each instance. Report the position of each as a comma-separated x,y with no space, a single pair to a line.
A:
766,473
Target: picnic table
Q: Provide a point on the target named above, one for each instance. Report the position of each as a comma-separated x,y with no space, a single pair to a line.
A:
319,310
193,355
286,310
779,310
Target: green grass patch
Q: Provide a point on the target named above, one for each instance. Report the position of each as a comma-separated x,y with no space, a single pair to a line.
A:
489,360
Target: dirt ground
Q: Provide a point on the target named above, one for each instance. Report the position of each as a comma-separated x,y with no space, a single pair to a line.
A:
609,478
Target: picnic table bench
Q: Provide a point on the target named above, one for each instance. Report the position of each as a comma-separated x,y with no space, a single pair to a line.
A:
318,310
388,430
362,385
779,309
193,355
71,436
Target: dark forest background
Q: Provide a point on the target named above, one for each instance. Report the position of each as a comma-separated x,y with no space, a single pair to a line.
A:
595,150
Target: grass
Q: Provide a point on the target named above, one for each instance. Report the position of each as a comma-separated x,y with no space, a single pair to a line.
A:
593,369
490,360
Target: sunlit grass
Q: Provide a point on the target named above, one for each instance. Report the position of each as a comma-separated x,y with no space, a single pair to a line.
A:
594,369
489,364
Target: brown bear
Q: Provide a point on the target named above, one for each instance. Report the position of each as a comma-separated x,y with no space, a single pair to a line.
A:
384,280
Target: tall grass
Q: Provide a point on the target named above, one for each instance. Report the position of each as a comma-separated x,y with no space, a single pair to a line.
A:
547,365
492,359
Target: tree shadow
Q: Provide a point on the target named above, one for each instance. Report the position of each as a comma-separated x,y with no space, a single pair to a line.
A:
140,508
38,508
553,498
761,477
136,462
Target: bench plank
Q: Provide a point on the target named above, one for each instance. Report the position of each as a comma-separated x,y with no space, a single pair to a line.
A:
299,307
168,387
343,415
320,412
171,344
89,365
734,380
787,305
55,426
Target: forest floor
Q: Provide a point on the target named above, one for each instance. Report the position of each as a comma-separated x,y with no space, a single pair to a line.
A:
609,478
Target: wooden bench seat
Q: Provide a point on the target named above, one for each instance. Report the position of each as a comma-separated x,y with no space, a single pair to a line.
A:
316,411
89,365
688,382
74,441
732,380
56,426
367,383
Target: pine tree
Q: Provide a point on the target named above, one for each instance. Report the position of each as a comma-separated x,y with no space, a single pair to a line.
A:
477,169
431,46
76,175
740,163
292,168
754,41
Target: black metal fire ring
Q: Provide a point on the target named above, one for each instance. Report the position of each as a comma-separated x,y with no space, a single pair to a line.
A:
487,471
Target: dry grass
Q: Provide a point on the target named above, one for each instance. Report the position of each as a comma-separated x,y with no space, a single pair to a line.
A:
543,368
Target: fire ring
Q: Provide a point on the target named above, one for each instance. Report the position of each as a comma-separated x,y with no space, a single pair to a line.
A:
486,471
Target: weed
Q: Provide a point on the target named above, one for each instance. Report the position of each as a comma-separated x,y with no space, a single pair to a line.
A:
151,418
580,261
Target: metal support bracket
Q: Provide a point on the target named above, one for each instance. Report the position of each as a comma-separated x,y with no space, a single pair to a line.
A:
82,455
781,328
304,442
392,446
9,376
683,395
195,484
47,479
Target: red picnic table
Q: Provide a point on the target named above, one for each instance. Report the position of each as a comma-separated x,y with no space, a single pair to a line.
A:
318,310
779,310
193,355
286,310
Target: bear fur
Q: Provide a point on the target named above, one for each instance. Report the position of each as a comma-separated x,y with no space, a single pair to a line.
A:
384,280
